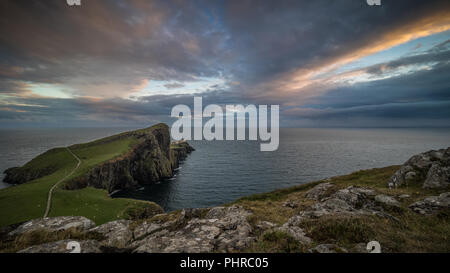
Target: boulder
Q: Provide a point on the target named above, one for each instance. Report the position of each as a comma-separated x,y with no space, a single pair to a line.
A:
149,227
387,200
319,191
290,204
431,168
291,227
404,196
432,204
55,224
438,176
222,229
265,225
116,233
351,201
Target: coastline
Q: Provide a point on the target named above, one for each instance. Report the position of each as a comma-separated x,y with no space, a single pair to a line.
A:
338,214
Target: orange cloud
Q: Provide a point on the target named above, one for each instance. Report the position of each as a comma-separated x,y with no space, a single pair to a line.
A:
307,82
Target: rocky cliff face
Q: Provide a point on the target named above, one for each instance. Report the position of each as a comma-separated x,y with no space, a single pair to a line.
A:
150,160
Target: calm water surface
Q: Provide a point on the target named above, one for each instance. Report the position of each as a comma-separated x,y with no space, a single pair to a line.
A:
222,171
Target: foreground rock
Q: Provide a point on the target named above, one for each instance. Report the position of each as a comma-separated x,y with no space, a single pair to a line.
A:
89,246
291,227
319,191
117,233
327,248
431,169
219,229
222,229
55,224
432,204
387,200
349,201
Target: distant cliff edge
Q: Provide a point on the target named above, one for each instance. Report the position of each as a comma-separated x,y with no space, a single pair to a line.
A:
150,157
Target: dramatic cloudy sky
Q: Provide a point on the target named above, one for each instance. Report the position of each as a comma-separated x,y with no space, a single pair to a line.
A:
325,62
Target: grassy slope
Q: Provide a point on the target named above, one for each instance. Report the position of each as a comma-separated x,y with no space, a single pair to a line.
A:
28,201
413,232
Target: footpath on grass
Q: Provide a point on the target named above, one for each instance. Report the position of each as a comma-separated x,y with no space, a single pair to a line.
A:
50,193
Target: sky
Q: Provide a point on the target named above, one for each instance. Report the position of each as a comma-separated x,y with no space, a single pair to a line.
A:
327,63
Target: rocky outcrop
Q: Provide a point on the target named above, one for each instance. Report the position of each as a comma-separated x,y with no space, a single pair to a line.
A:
431,168
64,246
221,229
438,176
319,191
117,234
351,201
149,161
291,227
387,200
54,224
432,204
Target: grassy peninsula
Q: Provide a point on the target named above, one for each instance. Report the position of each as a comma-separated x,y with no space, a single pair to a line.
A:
28,199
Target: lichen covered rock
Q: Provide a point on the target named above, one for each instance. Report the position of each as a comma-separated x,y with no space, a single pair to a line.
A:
116,233
319,191
223,229
432,204
55,224
64,246
431,168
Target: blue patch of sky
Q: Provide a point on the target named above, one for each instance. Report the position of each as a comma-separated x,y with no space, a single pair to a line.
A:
413,47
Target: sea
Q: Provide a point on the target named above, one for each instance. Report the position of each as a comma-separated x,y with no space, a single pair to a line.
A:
219,172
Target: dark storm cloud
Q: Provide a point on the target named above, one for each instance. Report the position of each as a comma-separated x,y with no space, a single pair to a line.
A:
109,42
104,52
423,95
278,36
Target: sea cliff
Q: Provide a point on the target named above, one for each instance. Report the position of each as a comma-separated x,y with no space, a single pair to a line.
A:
150,158
78,180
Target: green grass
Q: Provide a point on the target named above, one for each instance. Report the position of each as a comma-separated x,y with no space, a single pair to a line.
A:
28,201
410,233
94,204
276,242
